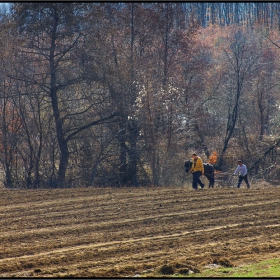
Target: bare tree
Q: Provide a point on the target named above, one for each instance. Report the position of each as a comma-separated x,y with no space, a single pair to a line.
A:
241,60
53,34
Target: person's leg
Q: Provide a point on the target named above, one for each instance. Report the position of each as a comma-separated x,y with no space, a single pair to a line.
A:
246,181
240,178
199,181
194,183
196,180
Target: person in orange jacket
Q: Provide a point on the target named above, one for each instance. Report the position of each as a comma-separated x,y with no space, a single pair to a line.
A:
197,170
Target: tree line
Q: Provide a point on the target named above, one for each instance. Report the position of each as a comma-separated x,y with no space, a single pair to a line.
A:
119,94
247,14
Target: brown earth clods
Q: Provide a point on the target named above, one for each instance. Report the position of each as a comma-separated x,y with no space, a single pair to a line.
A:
119,232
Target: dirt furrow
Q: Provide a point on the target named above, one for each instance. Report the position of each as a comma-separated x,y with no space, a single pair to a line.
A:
117,232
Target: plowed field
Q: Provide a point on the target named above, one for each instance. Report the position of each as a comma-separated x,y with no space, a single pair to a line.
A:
119,232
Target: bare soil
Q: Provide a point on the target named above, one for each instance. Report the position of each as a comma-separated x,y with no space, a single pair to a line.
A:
119,232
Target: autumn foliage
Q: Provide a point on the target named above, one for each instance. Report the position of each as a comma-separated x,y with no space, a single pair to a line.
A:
116,94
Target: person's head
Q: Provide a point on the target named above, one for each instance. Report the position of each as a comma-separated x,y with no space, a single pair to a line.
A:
239,162
194,155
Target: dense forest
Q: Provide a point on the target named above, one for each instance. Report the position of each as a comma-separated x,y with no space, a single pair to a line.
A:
120,94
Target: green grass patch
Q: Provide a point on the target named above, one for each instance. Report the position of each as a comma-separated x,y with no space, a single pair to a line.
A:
266,269
269,268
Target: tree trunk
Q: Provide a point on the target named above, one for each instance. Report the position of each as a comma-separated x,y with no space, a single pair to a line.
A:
63,146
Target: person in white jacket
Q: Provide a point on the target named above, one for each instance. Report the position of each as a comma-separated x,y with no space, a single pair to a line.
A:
241,170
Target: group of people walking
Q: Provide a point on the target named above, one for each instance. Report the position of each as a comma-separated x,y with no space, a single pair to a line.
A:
197,169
